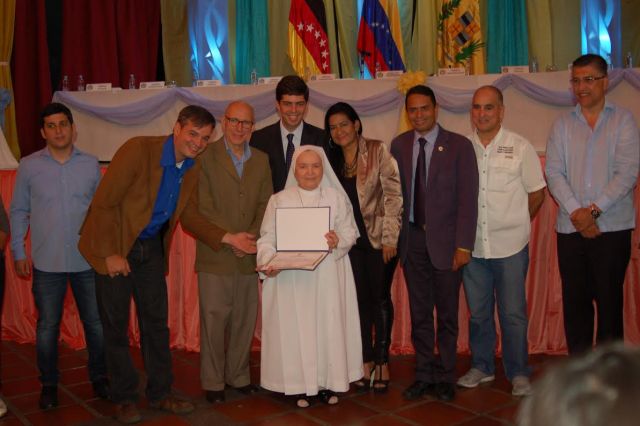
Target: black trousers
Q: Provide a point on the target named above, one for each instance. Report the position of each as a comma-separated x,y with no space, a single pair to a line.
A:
593,270
373,287
146,283
430,287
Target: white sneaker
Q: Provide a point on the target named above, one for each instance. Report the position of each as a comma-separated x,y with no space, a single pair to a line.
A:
474,377
521,386
3,408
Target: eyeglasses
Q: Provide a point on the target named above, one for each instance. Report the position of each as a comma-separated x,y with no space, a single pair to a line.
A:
588,80
245,124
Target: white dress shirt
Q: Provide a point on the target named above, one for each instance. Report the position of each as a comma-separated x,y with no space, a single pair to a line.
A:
509,170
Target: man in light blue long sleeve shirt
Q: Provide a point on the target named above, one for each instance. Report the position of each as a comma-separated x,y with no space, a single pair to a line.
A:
593,156
54,187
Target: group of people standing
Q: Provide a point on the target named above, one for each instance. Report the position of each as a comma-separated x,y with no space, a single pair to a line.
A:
450,208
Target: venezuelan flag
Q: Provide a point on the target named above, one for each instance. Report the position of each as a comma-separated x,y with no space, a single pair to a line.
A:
379,35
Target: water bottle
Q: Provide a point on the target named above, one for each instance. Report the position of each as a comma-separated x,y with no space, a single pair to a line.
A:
254,77
65,83
628,60
132,82
80,83
534,65
378,69
467,67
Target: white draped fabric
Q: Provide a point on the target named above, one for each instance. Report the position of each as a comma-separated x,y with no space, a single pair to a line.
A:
7,160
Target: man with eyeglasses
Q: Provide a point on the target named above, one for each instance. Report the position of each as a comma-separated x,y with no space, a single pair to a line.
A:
233,191
53,189
592,167
150,185
280,139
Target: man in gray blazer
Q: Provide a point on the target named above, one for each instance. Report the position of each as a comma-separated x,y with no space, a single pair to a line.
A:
439,177
280,139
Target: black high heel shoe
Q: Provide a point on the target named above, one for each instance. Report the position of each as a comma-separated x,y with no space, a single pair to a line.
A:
380,385
364,384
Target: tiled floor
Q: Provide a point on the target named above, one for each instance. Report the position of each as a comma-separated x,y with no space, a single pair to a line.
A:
487,405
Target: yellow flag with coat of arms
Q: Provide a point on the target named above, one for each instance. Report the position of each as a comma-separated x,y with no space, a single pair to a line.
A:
460,41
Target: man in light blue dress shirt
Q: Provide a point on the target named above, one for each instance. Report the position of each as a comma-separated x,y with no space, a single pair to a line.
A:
54,187
592,167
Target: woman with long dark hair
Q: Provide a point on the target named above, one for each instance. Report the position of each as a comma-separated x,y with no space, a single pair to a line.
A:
371,179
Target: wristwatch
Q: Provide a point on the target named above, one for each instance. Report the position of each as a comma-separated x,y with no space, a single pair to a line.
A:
595,213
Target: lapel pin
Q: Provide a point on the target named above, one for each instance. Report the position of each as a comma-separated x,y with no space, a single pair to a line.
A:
440,148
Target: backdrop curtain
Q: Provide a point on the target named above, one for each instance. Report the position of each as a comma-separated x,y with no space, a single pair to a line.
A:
421,52
565,21
342,16
175,41
540,34
280,63
7,19
108,41
506,34
30,69
630,29
252,39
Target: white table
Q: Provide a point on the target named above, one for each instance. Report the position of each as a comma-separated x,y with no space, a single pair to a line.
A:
523,115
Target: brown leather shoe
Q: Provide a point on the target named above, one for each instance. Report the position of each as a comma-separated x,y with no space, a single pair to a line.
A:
128,413
173,405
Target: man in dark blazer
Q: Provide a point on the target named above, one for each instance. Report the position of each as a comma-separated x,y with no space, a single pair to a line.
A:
150,185
280,139
437,236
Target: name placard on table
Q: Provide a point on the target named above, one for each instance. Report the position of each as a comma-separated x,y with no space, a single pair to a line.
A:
98,87
515,69
445,72
147,85
323,77
208,83
389,74
270,80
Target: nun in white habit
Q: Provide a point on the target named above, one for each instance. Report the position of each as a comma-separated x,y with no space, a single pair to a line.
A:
310,325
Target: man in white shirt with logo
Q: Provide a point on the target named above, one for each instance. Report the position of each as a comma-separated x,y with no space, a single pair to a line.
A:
511,193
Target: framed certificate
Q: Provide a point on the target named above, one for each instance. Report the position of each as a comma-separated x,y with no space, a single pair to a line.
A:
302,228
300,237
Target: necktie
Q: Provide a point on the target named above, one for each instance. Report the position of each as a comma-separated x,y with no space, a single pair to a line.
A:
420,186
290,149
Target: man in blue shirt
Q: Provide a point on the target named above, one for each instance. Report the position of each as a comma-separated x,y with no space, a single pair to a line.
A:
150,185
53,190
592,167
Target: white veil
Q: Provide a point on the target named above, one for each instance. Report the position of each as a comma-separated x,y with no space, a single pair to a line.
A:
329,178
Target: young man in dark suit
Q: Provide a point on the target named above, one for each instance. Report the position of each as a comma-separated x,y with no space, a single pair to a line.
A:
439,177
280,139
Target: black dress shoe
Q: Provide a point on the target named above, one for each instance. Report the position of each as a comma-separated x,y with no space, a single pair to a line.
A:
101,388
48,397
214,396
417,390
445,391
248,389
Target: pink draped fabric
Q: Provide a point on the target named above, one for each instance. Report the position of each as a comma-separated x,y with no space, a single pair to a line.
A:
546,333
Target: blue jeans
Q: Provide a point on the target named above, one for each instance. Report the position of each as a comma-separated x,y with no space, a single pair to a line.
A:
487,281
49,289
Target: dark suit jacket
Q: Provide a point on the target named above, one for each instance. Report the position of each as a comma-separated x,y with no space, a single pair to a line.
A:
269,141
452,195
123,203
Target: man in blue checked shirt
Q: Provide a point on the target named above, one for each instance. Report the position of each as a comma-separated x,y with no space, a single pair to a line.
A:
592,167
54,187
